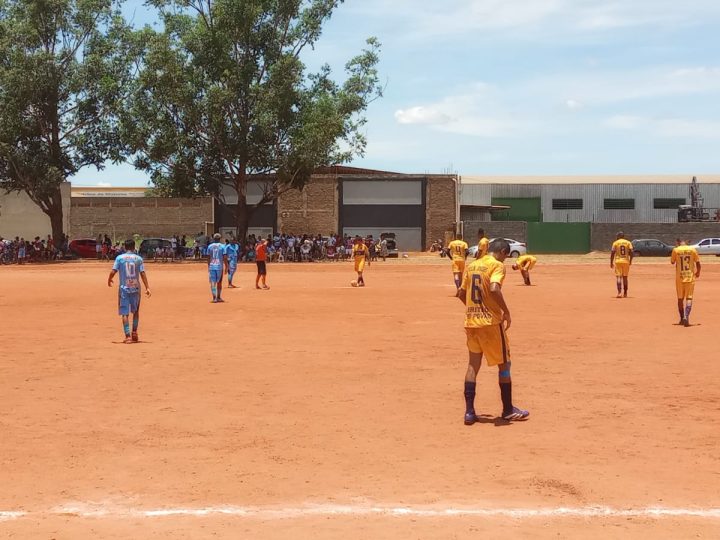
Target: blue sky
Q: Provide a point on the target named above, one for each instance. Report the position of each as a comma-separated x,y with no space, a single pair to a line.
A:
527,86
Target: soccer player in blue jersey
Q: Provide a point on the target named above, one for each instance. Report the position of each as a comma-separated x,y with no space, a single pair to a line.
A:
130,266
232,250
216,261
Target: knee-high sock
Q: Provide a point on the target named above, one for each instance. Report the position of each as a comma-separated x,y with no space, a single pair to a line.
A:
469,397
688,308
506,396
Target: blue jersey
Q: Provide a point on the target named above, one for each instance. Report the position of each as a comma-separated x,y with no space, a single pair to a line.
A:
232,251
129,266
215,252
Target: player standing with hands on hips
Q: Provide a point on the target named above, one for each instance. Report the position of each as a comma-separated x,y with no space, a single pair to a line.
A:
621,256
487,319
129,265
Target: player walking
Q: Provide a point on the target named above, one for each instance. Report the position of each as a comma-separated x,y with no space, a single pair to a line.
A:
487,319
232,250
621,256
129,265
525,263
261,260
483,244
360,254
216,261
457,251
687,270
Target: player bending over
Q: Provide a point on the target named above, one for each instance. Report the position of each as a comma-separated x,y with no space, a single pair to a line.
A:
232,250
360,254
483,244
487,319
525,263
687,270
129,265
621,256
216,260
457,251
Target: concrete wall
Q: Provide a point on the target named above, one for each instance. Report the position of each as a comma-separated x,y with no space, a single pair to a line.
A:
19,216
516,230
121,217
603,234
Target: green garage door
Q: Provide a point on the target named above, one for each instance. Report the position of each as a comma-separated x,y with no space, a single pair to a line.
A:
558,237
521,209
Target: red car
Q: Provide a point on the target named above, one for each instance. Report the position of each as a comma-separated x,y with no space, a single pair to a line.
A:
84,248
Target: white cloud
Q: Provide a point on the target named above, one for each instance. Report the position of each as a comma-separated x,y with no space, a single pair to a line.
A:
573,104
625,122
103,184
680,128
421,115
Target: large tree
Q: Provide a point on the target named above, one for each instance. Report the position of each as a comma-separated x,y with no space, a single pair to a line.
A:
65,65
224,97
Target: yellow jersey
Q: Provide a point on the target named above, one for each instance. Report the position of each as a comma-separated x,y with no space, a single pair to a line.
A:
623,249
525,260
360,251
482,247
684,259
458,250
480,308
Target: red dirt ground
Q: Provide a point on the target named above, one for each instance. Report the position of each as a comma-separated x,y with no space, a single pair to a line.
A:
318,393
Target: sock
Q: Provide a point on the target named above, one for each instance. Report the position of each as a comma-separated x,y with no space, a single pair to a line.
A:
126,328
682,312
688,309
136,322
213,288
506,396
457,283
470,397
619,285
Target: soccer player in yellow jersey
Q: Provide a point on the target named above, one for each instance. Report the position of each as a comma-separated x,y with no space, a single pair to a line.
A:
621,257
525,263
360,254
687,270
487,319
457,251
483,244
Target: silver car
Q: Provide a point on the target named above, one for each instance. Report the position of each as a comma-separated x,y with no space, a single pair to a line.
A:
516,248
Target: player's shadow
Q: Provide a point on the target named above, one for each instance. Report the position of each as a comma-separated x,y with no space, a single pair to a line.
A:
497,421
133,343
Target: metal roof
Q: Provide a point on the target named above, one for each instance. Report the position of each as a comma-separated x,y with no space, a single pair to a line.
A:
593,179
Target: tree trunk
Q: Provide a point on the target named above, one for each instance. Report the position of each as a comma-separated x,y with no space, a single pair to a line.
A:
242,218
54,211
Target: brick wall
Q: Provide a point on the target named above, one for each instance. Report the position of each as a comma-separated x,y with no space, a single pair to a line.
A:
440,207
516,230
313,210
121,217
603,234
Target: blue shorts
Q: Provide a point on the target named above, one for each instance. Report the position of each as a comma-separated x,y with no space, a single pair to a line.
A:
216,275
232,266
128,303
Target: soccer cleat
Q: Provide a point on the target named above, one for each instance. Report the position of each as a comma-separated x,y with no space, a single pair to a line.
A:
618,295
128,339
470,418
135,337
219,301
685,323
516,414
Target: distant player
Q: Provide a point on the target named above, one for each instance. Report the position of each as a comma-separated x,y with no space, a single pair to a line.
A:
483,244
687,270
130,266
360,254
232,251
261,261
621,257
487,318
525,263
216,262
457,251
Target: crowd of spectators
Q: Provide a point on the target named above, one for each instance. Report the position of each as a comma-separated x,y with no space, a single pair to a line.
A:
21,251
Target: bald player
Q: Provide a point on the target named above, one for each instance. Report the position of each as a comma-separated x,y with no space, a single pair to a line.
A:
457,251
621,256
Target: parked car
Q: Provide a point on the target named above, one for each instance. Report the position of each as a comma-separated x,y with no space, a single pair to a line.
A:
516,248
390,243
83,248
149,246
651,248
708,246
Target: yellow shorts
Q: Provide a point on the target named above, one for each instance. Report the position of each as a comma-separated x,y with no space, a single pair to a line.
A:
529,266
684,290
490,341
622,269
359,265
458,267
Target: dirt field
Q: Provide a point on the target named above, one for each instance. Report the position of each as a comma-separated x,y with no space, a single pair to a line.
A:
315,409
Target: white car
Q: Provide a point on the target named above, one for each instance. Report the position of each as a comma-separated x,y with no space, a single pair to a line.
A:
708,246
516,248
